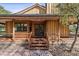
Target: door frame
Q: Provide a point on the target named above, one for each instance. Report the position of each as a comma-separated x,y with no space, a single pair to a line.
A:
34,23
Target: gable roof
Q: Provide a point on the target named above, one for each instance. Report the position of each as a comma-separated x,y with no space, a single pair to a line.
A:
31,7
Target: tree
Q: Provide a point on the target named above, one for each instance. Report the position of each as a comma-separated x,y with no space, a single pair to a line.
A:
66,10
4,11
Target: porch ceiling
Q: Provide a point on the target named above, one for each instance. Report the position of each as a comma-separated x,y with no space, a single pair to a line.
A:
30,17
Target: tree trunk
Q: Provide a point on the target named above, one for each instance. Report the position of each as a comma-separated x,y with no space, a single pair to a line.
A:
75,37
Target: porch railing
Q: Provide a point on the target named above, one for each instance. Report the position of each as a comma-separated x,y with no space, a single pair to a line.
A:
5,35
28,36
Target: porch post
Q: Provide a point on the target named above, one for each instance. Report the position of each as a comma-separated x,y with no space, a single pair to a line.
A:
13,30
59,32
28,27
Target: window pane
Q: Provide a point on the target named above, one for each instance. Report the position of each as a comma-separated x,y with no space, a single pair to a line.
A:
17,25
25,28
25,24
18,29
21,27
2,28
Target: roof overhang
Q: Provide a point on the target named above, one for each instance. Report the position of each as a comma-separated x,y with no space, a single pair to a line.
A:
30,17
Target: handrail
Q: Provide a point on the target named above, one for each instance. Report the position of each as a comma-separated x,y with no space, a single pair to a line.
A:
29,38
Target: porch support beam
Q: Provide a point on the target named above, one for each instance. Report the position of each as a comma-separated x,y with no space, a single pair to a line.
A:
28,27
13,30
59,30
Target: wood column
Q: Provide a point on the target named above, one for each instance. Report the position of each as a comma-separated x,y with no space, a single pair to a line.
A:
13,30
28,27
59,30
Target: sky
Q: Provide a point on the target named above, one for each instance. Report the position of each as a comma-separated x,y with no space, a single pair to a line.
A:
15,7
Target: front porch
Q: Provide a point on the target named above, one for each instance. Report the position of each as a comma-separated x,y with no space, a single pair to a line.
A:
31,28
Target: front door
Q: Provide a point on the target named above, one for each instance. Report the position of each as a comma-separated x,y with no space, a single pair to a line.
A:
39,30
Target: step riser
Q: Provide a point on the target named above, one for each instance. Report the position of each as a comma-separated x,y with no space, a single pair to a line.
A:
39,43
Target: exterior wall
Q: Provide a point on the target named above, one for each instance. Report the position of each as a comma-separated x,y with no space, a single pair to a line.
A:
42,11
52,9
20,34
35,10
9,26
52,26
32,11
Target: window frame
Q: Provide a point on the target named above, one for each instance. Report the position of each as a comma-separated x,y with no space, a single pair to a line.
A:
2,26
21,27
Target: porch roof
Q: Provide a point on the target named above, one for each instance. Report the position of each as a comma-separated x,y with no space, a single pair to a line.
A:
31,17
27,15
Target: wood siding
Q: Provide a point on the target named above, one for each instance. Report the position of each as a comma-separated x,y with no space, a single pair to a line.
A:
52,9
35,10
52,27
32,11
20,34
9,26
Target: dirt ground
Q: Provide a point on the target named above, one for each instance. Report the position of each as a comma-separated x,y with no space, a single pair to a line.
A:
61,49
57,49
15,49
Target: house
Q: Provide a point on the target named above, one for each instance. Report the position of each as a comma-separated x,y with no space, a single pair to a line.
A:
36,21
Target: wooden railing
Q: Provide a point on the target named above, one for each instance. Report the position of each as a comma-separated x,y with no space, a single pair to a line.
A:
28,37
6,36
21,34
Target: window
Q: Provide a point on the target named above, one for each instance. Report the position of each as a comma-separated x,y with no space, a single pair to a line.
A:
2,28
21,27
